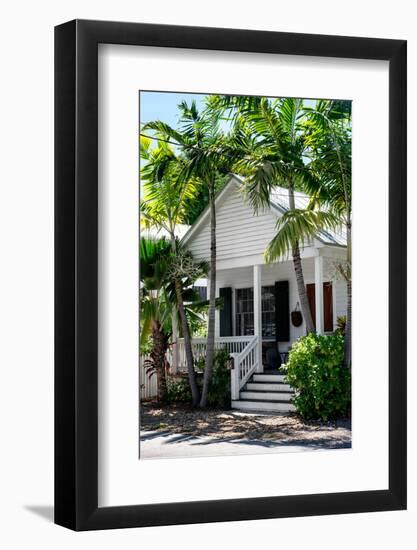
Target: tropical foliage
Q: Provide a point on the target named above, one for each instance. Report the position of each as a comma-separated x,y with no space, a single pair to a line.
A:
202,143
330,144
284,142
315,370
178,391
166,197
270,146
159,304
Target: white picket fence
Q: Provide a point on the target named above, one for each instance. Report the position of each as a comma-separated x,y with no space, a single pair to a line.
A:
148,386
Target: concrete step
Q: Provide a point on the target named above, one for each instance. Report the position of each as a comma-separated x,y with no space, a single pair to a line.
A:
266,396
259,377
274,406
267,386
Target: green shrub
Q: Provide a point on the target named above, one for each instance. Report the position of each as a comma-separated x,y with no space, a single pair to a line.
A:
178,390
315,370
219,389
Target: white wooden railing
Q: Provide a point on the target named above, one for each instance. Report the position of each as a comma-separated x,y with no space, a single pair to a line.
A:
245,364
233,344
243,350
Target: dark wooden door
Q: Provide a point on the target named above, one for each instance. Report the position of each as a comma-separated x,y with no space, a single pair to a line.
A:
327,304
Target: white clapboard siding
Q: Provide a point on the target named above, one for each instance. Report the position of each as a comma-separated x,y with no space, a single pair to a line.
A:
239,232
340,298
148,386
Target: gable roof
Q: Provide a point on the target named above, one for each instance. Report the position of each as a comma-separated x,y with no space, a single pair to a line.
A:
279,204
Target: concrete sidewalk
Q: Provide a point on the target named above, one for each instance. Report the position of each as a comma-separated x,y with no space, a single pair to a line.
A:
164,444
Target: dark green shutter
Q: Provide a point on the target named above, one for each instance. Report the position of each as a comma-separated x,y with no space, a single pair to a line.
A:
226,326
282,311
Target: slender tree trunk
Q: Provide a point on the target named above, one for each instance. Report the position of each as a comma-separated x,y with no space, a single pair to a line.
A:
212,301
192,378
299,274
347,360
187,345
301,287
347,356
158,354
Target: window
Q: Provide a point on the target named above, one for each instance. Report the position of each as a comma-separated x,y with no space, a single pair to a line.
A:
268,312
201,291
244,311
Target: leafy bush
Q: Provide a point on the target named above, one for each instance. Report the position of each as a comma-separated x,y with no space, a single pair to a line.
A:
315,370
178,390
219,389
341,324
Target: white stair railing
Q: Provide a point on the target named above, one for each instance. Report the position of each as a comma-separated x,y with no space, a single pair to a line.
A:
245,364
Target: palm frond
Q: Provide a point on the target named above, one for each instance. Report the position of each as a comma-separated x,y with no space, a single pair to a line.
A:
298,226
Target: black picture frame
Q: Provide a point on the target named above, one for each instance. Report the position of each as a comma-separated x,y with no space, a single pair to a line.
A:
76,271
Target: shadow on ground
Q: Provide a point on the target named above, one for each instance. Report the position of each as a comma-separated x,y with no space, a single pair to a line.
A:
204,427
167,438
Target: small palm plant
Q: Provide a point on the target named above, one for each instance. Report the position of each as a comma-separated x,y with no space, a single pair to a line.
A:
155,308
160,271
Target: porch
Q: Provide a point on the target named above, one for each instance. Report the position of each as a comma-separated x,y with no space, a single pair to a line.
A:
254,325
251,387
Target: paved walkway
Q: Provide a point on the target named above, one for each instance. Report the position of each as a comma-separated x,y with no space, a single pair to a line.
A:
165,444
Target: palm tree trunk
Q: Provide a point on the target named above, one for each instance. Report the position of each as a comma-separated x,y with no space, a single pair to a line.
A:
299,274
192,379
347,359
158,354
187,345
208,369
301,287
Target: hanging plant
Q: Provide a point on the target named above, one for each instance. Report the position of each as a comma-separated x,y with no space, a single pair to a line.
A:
296,316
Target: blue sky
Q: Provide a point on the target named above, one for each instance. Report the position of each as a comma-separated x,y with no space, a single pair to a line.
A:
163,105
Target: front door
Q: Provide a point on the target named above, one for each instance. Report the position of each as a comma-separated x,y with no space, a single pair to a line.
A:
275,318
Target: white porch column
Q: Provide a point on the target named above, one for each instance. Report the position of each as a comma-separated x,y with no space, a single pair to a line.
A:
318,280
257,311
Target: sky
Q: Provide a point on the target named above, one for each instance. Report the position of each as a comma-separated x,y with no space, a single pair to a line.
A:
163,105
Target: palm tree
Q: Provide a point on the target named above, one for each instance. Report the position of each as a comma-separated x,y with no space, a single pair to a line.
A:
328,148
201,142
155,307
269,140
164,206
330,142
160,271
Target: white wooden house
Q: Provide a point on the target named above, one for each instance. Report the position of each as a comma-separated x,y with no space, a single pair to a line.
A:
255,321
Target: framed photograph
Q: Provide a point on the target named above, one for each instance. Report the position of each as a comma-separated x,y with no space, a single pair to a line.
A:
230,255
